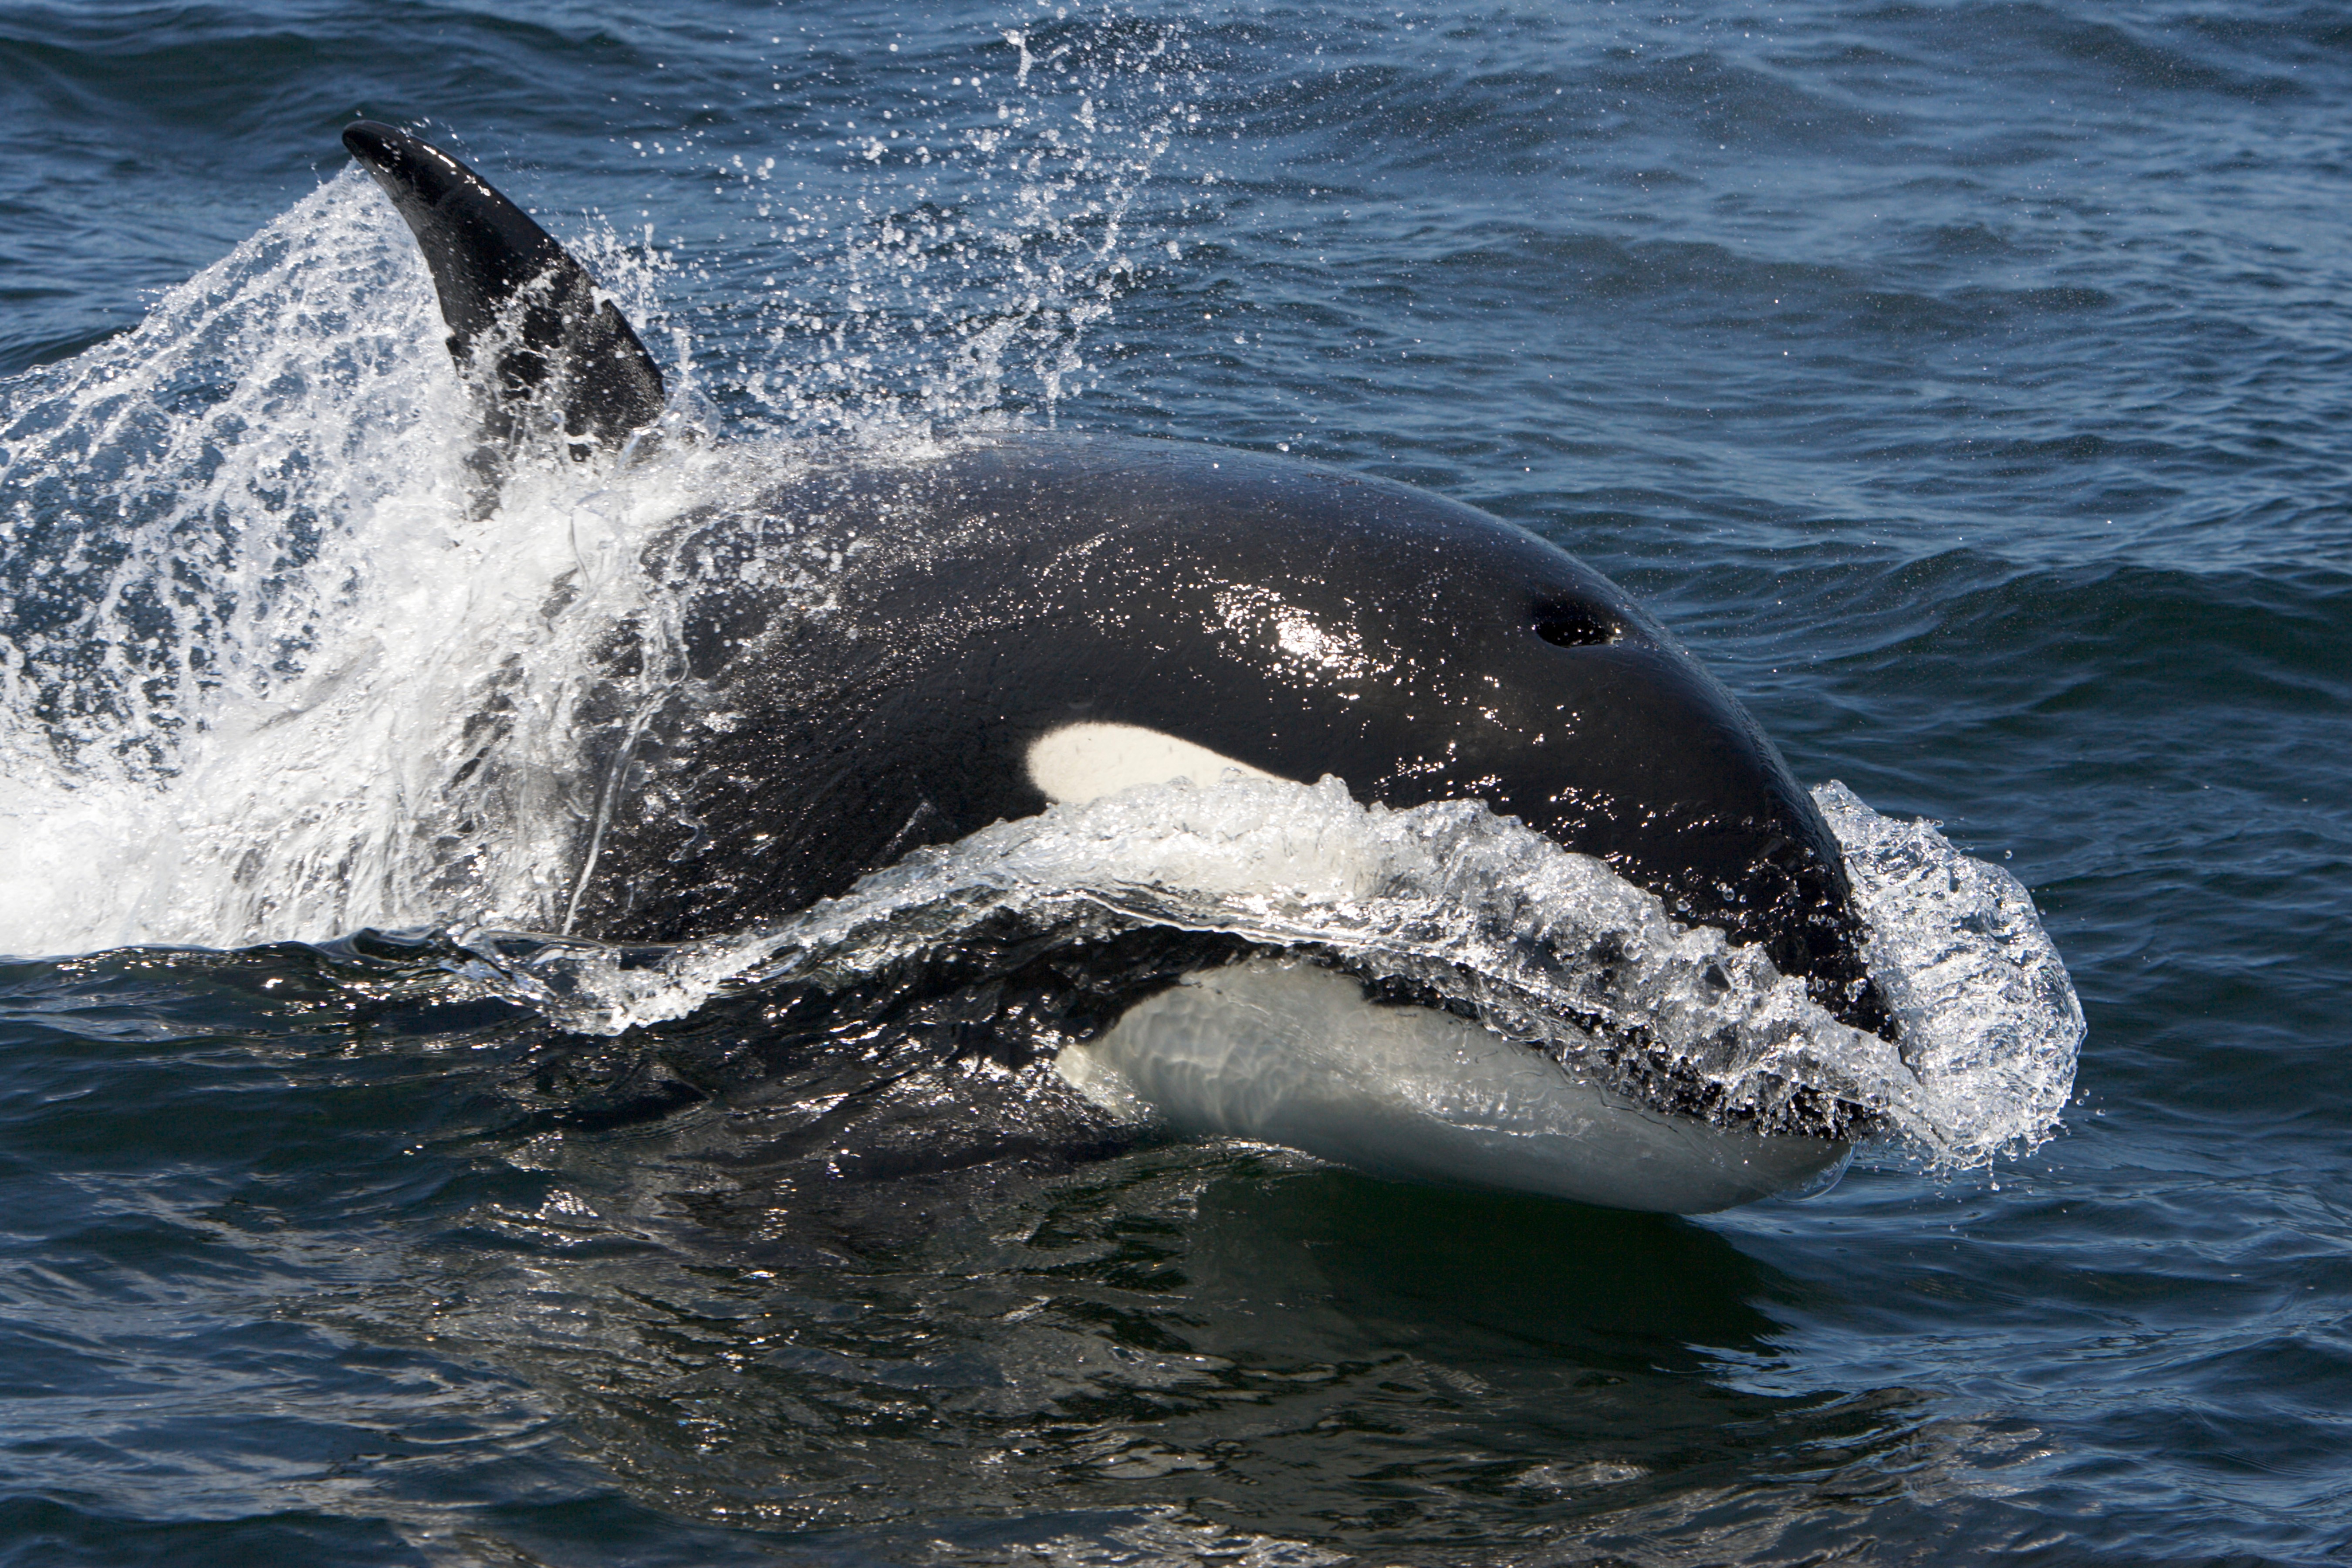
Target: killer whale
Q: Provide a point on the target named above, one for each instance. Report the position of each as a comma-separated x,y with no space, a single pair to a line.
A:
1038,619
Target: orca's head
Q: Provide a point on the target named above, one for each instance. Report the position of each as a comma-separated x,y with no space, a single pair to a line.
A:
1300,622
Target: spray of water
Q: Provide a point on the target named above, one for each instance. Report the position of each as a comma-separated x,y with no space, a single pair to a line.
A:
965,249
265,674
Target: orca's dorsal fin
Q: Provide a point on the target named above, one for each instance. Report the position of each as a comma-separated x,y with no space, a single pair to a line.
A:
526,321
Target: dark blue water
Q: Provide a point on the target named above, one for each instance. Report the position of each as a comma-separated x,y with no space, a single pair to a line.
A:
1967,385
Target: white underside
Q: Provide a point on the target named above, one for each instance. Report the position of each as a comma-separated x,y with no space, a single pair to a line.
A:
1282,1051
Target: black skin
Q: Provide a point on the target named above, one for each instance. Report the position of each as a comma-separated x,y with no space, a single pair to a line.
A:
817,721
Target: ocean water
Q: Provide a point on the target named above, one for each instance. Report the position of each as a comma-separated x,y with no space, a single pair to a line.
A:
1966,383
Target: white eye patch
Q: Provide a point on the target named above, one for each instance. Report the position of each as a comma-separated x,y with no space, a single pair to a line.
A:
1086,761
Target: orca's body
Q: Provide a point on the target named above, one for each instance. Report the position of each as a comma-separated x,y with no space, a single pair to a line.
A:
1037,618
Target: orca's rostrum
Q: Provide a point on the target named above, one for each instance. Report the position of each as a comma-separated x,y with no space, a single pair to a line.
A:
1039,619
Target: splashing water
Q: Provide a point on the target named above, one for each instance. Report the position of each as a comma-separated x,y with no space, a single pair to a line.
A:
950,272
1449,905
264,676
1988,1019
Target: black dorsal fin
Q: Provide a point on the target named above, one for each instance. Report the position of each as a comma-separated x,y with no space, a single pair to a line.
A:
510,291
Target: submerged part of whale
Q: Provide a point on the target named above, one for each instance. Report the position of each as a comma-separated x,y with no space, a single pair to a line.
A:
874,654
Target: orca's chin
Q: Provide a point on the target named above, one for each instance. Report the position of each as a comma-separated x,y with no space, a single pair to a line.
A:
1282,1051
